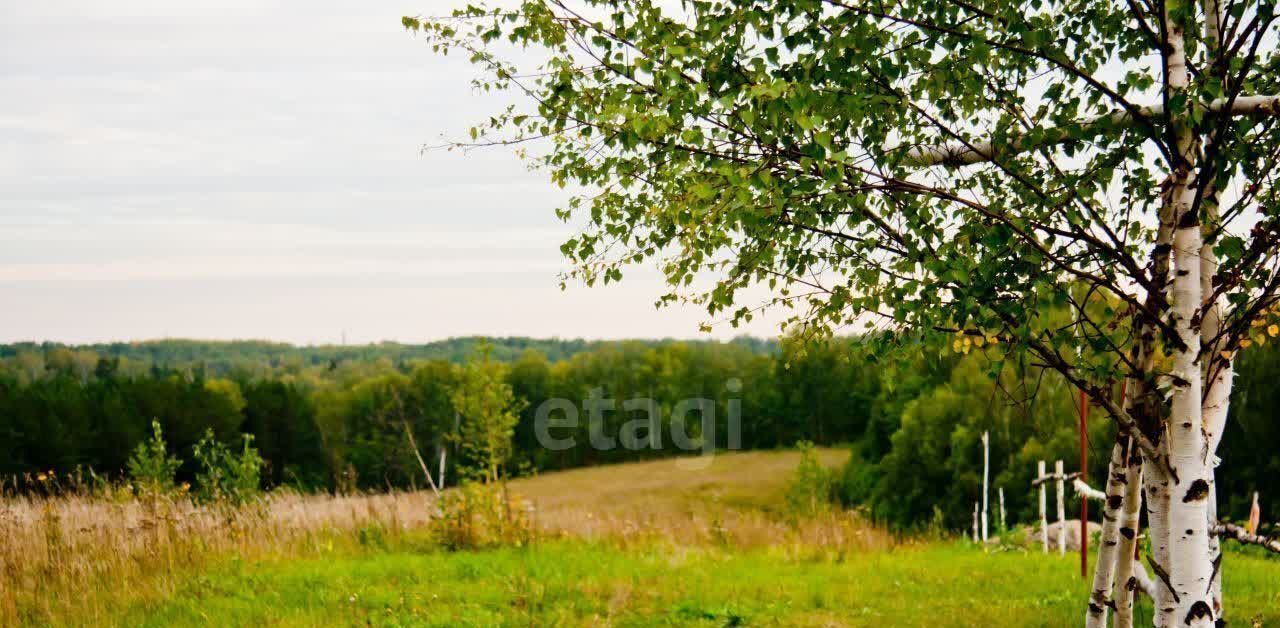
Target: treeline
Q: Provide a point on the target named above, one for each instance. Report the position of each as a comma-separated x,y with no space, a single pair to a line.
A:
222,358
325,422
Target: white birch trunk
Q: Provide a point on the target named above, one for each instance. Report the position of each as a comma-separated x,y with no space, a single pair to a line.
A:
1219,372
1219,377
1126,580
1104,569
1062,512
1156,486
1190,566
1044,507
986,469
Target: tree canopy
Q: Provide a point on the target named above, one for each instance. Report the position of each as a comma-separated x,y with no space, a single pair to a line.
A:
936,166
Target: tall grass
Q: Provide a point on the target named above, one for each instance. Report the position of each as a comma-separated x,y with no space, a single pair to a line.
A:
59,551
69,550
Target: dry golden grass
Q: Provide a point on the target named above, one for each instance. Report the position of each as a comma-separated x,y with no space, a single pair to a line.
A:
72,555
58,551
733,499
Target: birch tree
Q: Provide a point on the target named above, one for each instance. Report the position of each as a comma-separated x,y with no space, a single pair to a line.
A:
488,412
928,167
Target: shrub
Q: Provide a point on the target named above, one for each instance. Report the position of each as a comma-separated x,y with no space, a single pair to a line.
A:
856,483
811,490
477,515
151,467
225,476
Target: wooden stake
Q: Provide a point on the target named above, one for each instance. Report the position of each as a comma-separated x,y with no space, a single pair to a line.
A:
1062,511
1255,515
1044,517
1084,477
986,472
1003,525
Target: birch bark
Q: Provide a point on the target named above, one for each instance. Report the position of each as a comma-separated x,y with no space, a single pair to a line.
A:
1104,570
1126,581
1155,485
1218,373
1189,566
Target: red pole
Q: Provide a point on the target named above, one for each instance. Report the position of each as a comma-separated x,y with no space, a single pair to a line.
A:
1084,477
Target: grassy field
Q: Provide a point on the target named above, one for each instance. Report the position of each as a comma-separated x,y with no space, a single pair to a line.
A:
580,583
675,542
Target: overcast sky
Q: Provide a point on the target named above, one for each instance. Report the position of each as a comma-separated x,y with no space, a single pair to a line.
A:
248,169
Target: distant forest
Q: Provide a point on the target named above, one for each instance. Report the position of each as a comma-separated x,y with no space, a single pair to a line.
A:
223,357
334,417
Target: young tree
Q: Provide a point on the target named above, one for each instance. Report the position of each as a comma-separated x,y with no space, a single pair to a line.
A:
488,410
937,166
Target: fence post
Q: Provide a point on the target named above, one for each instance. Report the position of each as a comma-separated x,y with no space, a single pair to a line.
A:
986,491
1062,512
1003,524
1044,499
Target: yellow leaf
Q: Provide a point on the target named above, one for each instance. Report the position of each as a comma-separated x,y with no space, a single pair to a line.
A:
979,341
955,345
1261,340
1226,355
1273,331
1244,344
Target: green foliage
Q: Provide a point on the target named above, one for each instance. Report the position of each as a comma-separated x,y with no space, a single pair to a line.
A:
151,467
225,476
912,417
489,412
856,484
478,515
811,490
935,461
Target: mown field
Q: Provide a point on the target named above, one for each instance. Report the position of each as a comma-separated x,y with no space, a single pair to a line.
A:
677,542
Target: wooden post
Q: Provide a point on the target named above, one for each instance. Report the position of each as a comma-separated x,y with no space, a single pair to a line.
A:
443,449
1044,517
1255,515
1003,524
975,522
1062,512
986,472
1084,477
